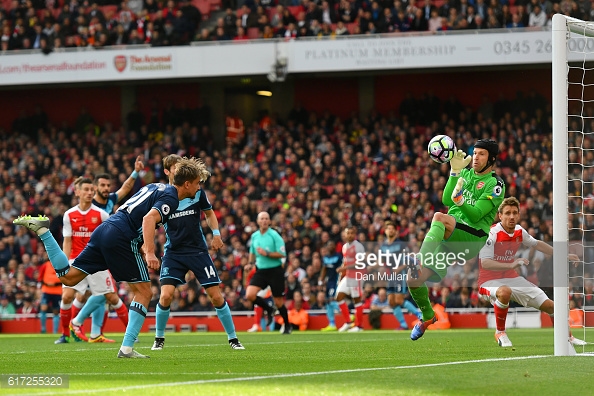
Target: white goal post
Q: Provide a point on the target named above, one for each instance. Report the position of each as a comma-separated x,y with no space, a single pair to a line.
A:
572,49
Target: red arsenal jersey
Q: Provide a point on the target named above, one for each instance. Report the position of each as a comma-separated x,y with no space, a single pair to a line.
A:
80,225
502,247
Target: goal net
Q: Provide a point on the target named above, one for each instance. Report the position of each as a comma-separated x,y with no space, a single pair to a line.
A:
573,181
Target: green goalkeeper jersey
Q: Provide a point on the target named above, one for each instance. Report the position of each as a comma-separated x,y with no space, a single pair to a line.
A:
482,197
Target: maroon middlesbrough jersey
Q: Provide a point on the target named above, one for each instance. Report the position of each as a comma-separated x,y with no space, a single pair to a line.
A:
502,247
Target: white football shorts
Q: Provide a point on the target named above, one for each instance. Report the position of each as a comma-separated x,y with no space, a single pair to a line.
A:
350,287
524,292
99,283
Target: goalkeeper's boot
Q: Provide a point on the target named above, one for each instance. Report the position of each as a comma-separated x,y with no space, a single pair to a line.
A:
158,344
38,225
132,355
62,340
77,332
414,265
503,339
101,338
419,329
235,344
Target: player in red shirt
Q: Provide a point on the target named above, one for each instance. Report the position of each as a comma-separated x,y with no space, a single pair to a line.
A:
350,284
79,223
498,280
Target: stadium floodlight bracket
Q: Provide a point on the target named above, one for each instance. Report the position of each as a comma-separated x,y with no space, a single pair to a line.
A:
279,70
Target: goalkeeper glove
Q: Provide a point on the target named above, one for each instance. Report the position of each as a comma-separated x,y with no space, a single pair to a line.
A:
458,193
459,162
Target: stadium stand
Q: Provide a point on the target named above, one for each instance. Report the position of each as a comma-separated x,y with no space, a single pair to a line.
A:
70,24
313,172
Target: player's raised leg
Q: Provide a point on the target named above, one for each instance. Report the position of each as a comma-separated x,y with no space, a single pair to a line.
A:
40,225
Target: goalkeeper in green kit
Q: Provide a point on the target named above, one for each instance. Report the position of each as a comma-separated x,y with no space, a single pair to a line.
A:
473,196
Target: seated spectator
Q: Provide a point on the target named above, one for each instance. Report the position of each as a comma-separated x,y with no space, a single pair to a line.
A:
298,315
320,302
537,17
380,300
6,308
346,12
287,18
463,300
341,29
220,35
435,22
419,23
477,23
234,302
241,36
27,308
292,287
229,22
204,35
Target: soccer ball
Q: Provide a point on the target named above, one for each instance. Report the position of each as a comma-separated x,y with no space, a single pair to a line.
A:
441,149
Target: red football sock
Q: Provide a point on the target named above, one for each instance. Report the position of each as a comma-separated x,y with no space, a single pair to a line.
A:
76,310
345,311
258,311
359,315
500,314
65,317
122,314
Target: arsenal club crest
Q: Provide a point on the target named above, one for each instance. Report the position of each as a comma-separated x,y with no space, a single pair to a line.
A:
120,62
480,185
94,220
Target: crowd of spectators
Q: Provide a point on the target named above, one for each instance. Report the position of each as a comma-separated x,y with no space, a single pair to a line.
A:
314,173
56,24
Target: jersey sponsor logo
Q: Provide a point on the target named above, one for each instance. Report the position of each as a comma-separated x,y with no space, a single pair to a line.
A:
82,234
181,214
165,209
74,220
469,198
480,185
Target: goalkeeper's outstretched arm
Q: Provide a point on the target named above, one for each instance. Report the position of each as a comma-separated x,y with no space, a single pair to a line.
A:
446,199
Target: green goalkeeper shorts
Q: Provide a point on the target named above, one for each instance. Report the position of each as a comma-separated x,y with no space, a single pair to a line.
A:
464,244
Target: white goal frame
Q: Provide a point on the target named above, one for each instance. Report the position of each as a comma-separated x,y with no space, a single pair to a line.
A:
562,25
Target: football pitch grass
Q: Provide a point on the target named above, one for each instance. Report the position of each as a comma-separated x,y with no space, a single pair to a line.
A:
454,362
